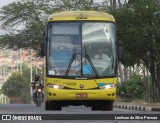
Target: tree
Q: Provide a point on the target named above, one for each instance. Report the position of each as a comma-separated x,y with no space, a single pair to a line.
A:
139,29
17,87
32,14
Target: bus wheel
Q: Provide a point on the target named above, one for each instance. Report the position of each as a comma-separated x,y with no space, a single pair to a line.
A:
103,106
55,105
47,105
108,105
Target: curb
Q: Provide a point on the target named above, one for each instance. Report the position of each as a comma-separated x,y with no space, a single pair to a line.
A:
140,108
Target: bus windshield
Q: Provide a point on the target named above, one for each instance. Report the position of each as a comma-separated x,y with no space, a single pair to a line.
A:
81,49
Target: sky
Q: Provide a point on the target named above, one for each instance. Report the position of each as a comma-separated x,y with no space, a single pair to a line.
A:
5,2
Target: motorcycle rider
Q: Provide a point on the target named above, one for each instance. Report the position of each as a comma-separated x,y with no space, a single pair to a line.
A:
36,84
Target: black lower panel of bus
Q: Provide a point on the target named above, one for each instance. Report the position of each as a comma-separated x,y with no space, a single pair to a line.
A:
94,104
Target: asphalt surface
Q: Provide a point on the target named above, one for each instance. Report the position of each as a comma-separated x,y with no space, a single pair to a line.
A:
76,114
32,109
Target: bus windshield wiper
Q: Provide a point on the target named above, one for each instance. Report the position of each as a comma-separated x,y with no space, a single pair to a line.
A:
70,63
92,65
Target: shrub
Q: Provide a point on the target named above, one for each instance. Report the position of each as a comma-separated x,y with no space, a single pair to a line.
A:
133,88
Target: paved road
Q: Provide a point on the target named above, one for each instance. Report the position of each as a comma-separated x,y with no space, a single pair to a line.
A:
78,114
32,109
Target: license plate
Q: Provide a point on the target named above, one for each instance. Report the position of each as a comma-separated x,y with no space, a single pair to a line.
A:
81,95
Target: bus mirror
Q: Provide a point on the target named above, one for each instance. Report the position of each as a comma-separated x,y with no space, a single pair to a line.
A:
120,53
42,50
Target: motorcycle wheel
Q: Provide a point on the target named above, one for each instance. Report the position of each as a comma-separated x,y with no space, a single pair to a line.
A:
38,100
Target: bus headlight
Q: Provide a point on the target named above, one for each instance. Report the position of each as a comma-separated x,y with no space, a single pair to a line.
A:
108,86
55,86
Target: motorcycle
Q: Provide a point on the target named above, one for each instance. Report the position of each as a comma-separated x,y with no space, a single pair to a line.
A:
38,97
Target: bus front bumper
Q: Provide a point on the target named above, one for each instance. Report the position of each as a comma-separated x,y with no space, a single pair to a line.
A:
62,94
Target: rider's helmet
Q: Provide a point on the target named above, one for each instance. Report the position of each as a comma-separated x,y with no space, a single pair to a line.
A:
36,77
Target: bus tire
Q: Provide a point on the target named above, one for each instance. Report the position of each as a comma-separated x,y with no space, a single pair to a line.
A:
103,106
47,105
56,106
108,106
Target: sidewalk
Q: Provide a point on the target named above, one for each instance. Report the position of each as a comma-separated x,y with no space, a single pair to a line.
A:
142,106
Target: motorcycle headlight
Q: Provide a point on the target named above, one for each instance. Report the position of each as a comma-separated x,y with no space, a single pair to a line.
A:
55,86
39,90
108,86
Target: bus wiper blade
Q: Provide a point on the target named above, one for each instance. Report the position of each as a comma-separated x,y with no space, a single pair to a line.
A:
92,65
70,63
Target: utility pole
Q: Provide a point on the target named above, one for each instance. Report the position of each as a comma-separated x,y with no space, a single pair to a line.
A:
31,73
20,63
36,65
17,65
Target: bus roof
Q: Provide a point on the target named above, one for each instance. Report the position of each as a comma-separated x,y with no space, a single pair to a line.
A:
81,15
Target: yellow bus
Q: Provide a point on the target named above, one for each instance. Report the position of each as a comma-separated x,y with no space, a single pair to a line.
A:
81,60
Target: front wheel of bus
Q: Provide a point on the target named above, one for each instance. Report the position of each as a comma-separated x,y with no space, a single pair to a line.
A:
56,105
103,106
108,106
47,105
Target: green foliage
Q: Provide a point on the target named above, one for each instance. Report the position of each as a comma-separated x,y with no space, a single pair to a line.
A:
32,16
138,27
133,88
16,87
